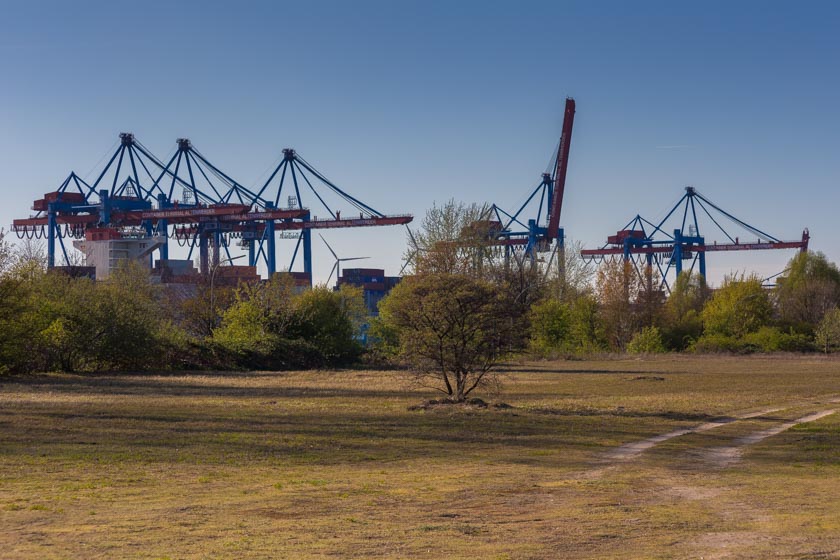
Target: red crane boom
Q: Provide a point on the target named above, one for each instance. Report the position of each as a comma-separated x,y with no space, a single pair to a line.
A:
560,169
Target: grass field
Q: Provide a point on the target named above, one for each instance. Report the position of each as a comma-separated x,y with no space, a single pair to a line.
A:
333,464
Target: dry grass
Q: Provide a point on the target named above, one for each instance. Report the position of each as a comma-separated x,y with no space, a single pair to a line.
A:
333,464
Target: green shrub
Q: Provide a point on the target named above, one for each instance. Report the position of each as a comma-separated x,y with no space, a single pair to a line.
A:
772,339
646,341
550,327
715,343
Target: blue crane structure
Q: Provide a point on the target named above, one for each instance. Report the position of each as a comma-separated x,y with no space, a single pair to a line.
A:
666,246
536,235
190,199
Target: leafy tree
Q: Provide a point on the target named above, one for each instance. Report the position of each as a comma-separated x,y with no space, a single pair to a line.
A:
130,317
550,326
827,335
586,332
244,330
16,330
739,306
260,317
646,341
330,321
269,325
452,330
383,341
67,317
76,324
682,323
810,288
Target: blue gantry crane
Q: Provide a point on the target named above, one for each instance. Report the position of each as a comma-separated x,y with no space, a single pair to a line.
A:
194,201
676,240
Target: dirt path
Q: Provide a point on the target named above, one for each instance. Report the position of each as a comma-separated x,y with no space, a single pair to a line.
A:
721,457
630,450
746,517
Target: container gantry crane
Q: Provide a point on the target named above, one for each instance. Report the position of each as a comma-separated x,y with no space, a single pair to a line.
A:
536,236
292,176
668,247
211,209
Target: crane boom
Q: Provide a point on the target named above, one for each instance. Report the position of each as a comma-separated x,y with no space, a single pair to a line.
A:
559,179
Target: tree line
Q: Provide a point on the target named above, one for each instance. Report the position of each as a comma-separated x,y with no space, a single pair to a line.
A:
465,306
50,321
470,305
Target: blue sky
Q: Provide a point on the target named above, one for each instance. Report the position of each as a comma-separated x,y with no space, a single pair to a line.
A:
407,103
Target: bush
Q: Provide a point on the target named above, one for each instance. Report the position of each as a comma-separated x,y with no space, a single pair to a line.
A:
765,340
646,341
586,333
681,336
772,339
739,306
715,344
329,321
271,327
550,327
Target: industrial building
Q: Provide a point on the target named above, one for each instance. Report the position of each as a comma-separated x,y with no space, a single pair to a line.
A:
373,282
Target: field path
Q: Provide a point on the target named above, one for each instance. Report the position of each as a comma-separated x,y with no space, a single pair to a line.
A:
721,456
724,456
631,450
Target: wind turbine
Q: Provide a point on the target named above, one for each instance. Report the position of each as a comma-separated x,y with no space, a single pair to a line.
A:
337,266
412,251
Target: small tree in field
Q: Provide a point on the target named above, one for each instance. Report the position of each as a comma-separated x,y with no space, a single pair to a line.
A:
827,335
451,329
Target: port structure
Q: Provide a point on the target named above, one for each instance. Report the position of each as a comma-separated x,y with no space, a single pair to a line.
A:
524,237
675,244
293,177
190,200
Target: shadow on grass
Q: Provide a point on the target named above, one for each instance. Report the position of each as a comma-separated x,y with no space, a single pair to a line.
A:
514,369
234,432
185,385
665,415
230,424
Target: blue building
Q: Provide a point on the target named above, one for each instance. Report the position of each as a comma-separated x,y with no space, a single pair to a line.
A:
373,282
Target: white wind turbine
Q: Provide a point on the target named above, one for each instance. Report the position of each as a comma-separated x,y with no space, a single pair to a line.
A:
337,266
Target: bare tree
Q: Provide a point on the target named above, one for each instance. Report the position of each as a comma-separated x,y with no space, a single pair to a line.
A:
567,274
451,240
31,251
6,253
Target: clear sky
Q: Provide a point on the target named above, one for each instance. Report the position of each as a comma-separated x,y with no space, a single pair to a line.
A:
407,103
